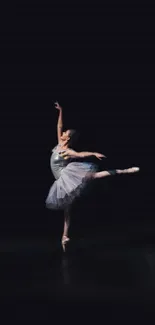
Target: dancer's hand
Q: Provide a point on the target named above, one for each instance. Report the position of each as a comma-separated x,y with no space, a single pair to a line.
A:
57,106
99,155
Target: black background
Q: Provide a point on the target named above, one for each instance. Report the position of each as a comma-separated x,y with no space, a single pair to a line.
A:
98,62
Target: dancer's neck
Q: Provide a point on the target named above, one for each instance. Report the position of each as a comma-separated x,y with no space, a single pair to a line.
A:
63,145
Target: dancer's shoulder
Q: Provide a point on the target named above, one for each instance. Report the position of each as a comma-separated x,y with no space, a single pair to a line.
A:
53,149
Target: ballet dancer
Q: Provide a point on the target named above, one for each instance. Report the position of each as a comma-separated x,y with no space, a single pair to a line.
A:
71,175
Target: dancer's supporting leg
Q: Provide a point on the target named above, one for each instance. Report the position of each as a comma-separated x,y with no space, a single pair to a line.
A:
115,171
65,237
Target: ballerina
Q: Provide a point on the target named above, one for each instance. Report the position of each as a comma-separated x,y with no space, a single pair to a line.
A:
71,175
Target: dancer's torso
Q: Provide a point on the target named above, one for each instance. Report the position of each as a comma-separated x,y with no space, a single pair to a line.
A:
57,162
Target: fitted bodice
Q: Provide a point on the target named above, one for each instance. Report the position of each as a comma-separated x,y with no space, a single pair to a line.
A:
57,162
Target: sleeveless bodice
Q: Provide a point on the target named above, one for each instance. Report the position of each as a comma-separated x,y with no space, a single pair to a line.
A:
57,162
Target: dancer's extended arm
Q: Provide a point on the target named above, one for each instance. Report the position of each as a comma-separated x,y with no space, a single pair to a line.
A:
69,153
60,121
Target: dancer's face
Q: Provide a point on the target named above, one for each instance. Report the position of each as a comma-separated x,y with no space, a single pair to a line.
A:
65,135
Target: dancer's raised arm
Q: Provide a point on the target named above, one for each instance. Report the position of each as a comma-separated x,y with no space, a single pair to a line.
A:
60,121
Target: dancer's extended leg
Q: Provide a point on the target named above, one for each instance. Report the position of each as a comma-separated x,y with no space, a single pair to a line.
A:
65,237
105,173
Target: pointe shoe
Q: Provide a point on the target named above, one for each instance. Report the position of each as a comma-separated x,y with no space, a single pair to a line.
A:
64,242
133,170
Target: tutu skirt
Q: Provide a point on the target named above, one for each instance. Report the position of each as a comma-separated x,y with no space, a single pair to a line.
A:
74,178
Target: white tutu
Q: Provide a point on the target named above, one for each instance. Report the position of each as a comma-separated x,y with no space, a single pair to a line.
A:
72,181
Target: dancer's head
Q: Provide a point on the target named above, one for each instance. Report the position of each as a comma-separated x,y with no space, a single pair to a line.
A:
69,136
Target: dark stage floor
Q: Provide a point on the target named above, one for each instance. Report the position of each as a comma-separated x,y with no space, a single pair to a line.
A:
108,271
